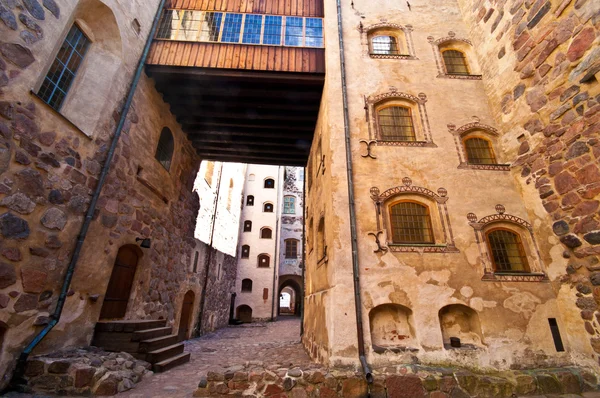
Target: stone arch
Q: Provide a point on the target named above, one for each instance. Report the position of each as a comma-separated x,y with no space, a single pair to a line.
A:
244,313
392,326
292,282
462,322
93,85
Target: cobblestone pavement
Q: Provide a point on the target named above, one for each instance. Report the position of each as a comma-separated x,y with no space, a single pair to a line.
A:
273,343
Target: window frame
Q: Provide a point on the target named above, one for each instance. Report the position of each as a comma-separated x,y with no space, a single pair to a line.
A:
250,200
266,182
427,220
520,248
263,231
288,253
268,207
259,257
245,253
490,148
289,204
463,58
464,46
380,125
248,287
163,148
476,129
402,35
247,226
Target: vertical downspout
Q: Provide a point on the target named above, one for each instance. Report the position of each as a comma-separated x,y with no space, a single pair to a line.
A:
276,255
349,172
208,257
55,317
303,252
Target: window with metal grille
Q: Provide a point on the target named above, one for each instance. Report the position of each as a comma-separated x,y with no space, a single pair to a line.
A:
291,248
247,226
269,183
268,208
455,62
387,45
246,251
289,205
266,233
396,124
410,223
293,31
264,260
479,151
63,70
164,149
508,254
250,200
246,285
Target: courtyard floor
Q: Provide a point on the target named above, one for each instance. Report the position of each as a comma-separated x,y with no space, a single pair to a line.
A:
272,343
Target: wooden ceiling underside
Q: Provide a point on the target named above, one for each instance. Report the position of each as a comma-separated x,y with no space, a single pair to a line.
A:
243,116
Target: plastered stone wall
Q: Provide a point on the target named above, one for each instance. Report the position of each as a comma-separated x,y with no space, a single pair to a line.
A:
262,277
540,64
49,167
513,315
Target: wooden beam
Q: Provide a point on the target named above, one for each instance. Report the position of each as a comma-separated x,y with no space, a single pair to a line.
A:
225,126
245,150
201,116
246,133
248,141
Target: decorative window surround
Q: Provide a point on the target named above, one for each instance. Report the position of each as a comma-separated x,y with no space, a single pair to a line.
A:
460,132
404,38
480,227
419,115
437,53
440,198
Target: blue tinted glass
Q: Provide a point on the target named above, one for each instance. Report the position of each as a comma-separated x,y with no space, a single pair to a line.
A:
314,32
293,31
252,29
231,28
272,34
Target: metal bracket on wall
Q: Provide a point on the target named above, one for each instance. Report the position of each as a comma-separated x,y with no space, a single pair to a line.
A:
368,144
380,248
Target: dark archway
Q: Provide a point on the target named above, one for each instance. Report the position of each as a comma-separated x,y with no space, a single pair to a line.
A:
295,305
244,313
120,283
186,315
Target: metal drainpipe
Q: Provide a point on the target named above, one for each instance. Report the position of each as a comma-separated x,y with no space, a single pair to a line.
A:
55,317
276,259
355,269
303,252
209,254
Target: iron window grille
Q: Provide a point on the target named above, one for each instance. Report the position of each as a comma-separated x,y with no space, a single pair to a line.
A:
411,223
507,252
164,149
479,151
63,70
212,26
396,124
386,45
455,62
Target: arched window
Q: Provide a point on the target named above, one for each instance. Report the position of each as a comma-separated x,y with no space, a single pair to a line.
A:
164,149
396,124
266,233
455,62
383,44
291,248
246,251
250,200
247,226
246,285
321,248
269,183
268,207
479,151
251,177
507,252
410,223
264,261
289,205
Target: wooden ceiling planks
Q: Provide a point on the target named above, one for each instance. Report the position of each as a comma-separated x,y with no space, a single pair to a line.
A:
301,8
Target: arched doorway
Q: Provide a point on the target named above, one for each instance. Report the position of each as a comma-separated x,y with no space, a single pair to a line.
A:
121,281
289,288
186,314
244,314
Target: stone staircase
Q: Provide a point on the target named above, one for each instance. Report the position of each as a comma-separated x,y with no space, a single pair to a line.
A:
150,341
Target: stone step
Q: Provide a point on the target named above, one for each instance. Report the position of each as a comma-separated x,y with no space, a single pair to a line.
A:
115,341
171,362
164,353
129,326
151,333
158,342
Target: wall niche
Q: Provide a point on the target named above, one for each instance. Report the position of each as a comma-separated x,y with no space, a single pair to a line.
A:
462,322
392,328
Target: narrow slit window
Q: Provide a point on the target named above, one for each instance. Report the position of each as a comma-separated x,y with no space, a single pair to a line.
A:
293,31
252,26
387,45
508,254
246,251
247,226
396,124
411,223
558,344
164,149
60,77
250,200
272,32
479,151
195,262
231,28
456,63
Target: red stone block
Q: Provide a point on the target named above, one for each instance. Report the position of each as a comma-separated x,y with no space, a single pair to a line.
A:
581,44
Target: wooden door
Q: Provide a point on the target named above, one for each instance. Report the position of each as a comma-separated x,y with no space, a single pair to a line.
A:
244,314
186,313
119,286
